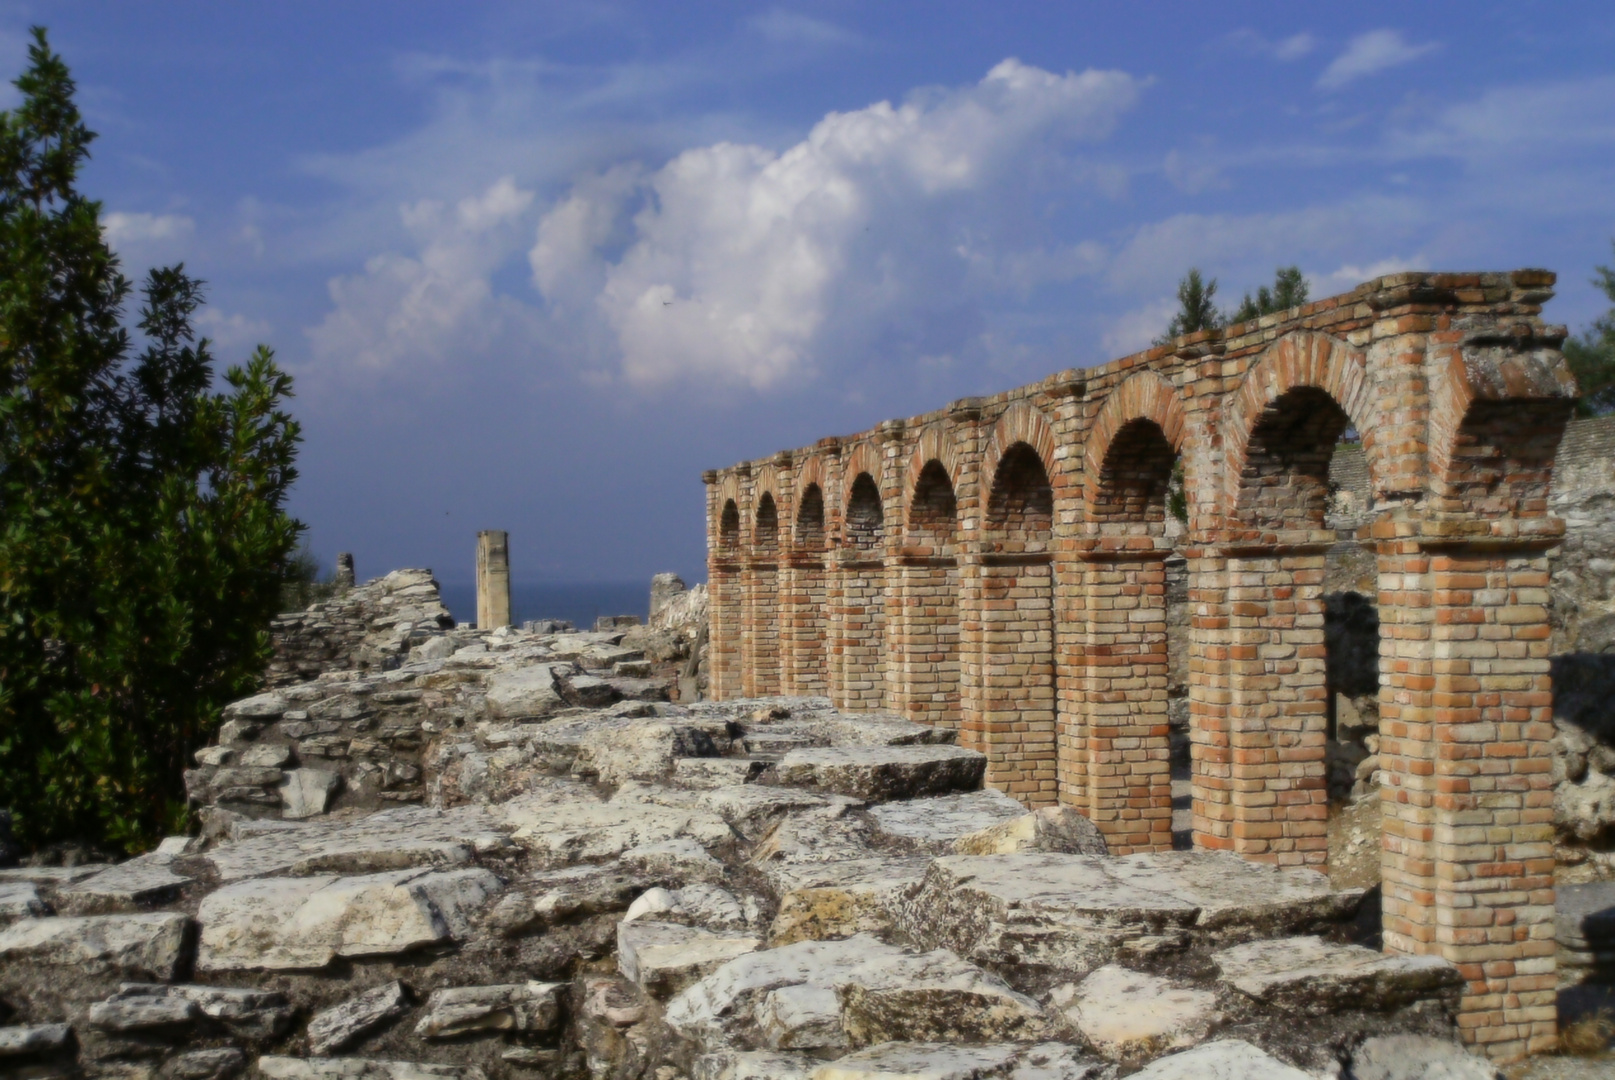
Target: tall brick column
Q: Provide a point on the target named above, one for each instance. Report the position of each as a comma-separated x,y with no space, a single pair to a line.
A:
724,596
1465,719
760,579
1124,740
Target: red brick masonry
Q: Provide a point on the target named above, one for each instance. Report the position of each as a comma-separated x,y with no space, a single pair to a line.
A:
996,566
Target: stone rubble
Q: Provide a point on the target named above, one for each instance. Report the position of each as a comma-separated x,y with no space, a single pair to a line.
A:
560,882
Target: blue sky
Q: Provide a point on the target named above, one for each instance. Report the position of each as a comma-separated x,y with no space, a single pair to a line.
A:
535,266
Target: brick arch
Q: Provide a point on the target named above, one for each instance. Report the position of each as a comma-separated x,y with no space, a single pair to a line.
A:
766,482
811,473
1021,423
933,445
1306,359
729,539
862,458
1144,395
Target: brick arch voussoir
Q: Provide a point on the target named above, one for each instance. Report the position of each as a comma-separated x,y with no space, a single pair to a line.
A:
933,445
1146,395
1303,359
811,471
862,458
1023,423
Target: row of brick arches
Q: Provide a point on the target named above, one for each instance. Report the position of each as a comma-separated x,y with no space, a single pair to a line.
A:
999,567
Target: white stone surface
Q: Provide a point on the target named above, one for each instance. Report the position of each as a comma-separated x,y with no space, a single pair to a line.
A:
1418,1057
1048,828
1311,976
144,880
20,900
1225,1059
291,923
326,1068
305,793
882,773
1132,1016
576,830
463,1010
134,946
664,958
388,840
937,822
526,693
838,899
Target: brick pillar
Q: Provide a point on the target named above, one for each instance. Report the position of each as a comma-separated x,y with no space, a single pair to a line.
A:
493,579
925,640
1017,716
1124,726
1278,700
803,600
860,624
1210,746
1465,719
761,676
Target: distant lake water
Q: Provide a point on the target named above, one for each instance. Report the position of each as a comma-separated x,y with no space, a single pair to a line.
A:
578,604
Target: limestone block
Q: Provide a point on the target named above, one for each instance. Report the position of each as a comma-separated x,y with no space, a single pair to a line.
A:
305,793
591,691
1050,828
464,1010
20,900
1418,1057
801,1016
246,1013
699,773
883,773
838,899
225,1061
389,840
29,1040
324,1068
266,755
574,830
753,809
699,904
1225,1059
680,859
260,707
1130,1016
942,1061
829,834
528,693
139,946
645,750
935,823
141,882
1040,910
752,1065
1313,977
1238,898
343,1025
573,893
934,997
292,923
663,958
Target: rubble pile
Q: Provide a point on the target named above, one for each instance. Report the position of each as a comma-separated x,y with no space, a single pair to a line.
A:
509,855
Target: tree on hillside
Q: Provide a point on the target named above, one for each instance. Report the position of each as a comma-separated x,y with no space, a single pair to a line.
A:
142,536
1197,308
1289,290
1592,355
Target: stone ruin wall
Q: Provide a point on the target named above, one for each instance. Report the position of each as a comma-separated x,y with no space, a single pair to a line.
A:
999,567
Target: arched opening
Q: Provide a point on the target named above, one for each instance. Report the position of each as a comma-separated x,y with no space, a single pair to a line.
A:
1117,756
726,616
1270,797
762,676
926,639
802,601
1017,676
861,653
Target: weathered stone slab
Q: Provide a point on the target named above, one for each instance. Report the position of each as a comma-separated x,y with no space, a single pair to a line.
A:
754,808
937,822
1237,897
389,840
1038,910
699,904
1130,1016
30,1040
305,793
1310,976
883,773
345,1024
140,882
1418,1057
466,1010
829,834
753,1065
292,923
572,831
528,693
702,773
942,1061
140,946
642,750
1584,922
244,1012
1225,1059
1049,828
20,900
51,875
824,994
663,958
679,860
838,899
325,1068
557,896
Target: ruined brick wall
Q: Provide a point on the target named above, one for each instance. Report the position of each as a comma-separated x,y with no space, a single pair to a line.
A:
1052,567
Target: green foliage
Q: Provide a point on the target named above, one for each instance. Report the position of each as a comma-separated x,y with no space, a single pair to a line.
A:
142,537
1197,308
304,584
1289,290
1592,355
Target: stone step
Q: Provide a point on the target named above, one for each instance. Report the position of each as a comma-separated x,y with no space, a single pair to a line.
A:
883,773
1313,977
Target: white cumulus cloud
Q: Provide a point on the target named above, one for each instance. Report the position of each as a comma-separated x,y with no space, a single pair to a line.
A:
743,264
1372,52
434,305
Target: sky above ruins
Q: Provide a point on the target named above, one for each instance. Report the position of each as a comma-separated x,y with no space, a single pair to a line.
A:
535,266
